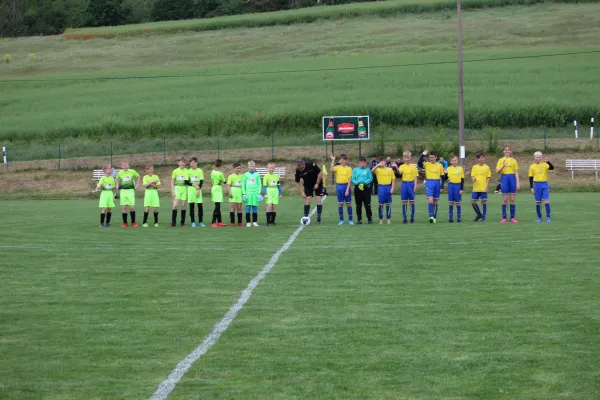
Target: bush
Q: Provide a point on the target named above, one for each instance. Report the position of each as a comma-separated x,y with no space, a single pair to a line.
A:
491,135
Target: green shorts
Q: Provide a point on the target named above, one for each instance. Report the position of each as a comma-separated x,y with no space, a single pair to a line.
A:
216,194
272,196
151,198
191,195
252,200
181,192
236,195
107,199
127,197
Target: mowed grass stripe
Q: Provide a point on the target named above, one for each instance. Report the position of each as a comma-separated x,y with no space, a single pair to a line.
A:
488,321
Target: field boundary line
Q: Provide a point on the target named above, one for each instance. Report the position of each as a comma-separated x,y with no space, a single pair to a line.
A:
166,387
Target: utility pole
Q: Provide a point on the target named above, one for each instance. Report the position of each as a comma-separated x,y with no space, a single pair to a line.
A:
461,99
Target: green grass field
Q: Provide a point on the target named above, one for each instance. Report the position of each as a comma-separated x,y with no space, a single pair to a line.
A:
366,312
222,80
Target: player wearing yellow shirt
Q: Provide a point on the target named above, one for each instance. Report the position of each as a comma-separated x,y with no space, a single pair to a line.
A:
456,187
107,185
538,183
480,176
179,183
343,176
151,182
433,178
508,168
386,180
409,175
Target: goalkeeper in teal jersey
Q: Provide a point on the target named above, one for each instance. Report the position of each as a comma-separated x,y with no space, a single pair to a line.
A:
272,188
251,188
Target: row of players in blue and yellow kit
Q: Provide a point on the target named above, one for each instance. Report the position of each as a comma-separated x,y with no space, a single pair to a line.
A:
481,174
186,185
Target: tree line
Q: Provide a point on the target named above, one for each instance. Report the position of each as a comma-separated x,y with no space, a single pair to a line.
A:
52,17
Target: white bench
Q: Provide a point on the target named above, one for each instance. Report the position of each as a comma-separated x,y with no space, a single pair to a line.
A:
583,165
99,173
262,171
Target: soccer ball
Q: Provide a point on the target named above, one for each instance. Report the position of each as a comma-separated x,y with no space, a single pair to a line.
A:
304,221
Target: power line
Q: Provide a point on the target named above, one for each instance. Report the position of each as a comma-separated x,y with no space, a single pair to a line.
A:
296,71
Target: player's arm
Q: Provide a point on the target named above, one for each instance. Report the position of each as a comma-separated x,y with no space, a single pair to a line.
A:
332,163
173,186
421,159
517,176
416,180
117,181
500,166
369,178
393,182
137,181
550,165
280,188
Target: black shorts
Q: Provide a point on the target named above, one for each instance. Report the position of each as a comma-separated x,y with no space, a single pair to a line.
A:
310,191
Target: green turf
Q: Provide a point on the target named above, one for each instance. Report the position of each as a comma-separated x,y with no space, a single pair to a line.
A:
423,311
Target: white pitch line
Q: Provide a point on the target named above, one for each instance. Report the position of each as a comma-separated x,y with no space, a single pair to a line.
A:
167,386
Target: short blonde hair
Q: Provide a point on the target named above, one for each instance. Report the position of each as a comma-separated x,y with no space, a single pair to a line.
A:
407,153
537,154
271,164
251,163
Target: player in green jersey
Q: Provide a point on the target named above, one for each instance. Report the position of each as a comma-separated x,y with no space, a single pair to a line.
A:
152,183
127,181
216,193
234,188
251,188
273,192
179,191
107,185
196,177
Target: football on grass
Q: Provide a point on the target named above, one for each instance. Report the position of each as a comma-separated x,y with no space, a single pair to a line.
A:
304,221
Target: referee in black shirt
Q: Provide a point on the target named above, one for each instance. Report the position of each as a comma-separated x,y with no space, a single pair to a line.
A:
312,184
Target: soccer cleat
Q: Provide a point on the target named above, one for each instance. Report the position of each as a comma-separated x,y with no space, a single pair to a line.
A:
249,224
450,221
144,225
240,224
538,220
434,220
134,225
358,222
107,225
221,224
513,220
193,224
412,221
183,225
482,219
405,222
156,225
233,224
503,221
431,219
477,218
458,221
254,224
124,225
341,222
171,226
319,221
380,222
548,219
273,224
214,225
201,224
389,221
101,226
351,222
370,222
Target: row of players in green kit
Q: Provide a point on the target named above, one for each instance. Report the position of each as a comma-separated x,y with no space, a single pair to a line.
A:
186,185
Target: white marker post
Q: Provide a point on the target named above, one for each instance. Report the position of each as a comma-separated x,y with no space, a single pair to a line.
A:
4,157
592,130
576,132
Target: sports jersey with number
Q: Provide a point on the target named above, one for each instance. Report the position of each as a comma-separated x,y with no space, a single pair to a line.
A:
481,173
106,183
126,178
180,175
149,178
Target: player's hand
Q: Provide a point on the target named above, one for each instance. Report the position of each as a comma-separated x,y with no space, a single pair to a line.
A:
518,187
303,194
382,164
332,156
425,152
532,191
461,192
504,164
173,196
260,198
198,193
346,194
316,185
361,186
244,197
393,164
266,196
280,196
473,179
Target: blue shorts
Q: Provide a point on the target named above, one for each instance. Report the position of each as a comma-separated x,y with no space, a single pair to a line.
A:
454,192
341,193
432,188
508,184
479,195
541,191
407,190
384,194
